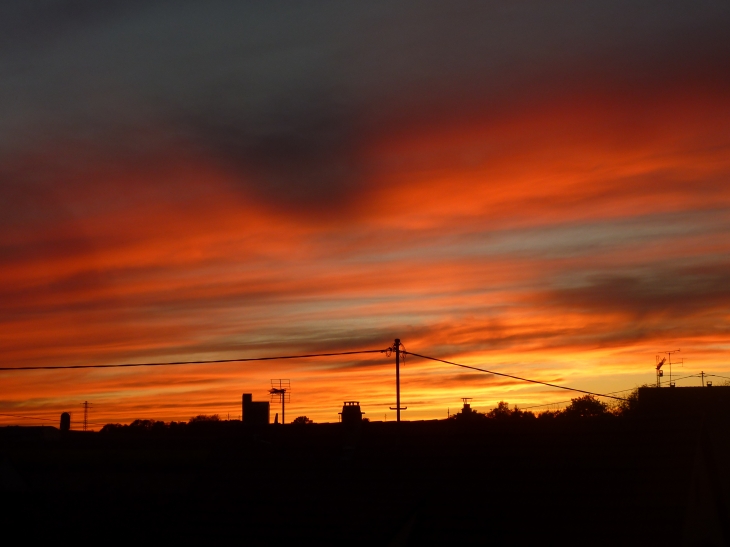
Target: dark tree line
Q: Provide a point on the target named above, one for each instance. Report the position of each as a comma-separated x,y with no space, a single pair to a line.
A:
158,425
584,407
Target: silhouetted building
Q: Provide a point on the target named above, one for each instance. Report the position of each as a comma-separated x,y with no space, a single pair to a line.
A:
467,414
466,409
254,413
65,421
680,402
351,413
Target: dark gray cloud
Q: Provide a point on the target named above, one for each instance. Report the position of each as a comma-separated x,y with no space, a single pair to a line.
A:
665,292
288,94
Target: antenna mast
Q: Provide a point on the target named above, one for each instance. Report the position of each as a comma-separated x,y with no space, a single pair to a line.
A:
280,393
659,371
669,356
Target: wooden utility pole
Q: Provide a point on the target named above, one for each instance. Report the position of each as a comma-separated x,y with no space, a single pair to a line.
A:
396,348
397,378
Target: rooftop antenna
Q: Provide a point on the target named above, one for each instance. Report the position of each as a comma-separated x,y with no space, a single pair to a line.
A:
669,356
397,350
659,371
280,393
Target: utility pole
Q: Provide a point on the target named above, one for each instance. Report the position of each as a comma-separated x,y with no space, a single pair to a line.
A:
396,348
702,374
397,378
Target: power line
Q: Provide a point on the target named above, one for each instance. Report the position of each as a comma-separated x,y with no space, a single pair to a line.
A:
685,377
29,417
546,404
564,402
44,419
238,360
515,377
718,376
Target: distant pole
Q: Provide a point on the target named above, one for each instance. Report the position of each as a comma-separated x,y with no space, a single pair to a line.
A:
398,408
397,378
86,414
283,416
702,374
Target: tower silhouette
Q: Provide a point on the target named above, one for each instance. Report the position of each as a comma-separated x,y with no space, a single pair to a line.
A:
280,393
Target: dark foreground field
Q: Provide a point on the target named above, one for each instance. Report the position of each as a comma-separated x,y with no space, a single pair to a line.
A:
593,482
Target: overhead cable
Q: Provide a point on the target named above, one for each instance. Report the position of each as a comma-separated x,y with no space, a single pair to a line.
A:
44,419
237,360
516,377
718,376
565,402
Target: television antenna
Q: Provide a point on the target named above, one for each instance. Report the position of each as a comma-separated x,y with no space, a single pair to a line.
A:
280,393
659,371
668,358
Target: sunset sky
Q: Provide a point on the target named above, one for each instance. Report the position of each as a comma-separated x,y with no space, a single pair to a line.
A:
538,188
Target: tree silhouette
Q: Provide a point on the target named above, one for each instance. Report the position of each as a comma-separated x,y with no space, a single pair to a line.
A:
546,415
301,420
500,412
205,418
629,406
144,424
523,414
585,407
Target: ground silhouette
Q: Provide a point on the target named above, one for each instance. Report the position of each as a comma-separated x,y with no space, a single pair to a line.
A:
588,474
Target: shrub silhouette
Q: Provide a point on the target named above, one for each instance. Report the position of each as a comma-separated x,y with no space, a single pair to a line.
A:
300,420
